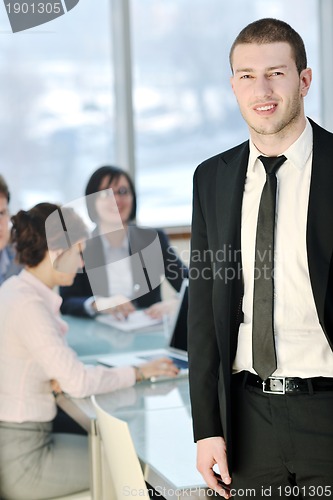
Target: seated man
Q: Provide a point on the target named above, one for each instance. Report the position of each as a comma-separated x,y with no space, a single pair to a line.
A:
8,267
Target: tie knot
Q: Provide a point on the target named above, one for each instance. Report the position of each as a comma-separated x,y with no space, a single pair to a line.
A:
272,163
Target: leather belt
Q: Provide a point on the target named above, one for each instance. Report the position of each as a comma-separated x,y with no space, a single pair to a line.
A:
285,385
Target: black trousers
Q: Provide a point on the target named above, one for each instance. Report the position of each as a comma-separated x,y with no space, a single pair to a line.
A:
282,444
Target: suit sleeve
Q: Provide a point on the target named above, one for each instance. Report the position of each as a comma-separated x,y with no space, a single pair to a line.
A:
202,345
175,269
74,296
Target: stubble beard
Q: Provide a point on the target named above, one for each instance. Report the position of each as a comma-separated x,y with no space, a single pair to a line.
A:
282,127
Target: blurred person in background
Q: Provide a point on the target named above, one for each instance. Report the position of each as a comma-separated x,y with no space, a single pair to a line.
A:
8,266
111,204
35,361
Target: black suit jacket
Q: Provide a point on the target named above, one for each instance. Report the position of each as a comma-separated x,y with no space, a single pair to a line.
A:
216,280
139,238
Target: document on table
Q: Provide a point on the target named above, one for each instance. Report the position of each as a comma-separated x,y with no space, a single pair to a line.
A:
137,320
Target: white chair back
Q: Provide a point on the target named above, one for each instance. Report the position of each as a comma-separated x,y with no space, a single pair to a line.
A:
83,495
125,469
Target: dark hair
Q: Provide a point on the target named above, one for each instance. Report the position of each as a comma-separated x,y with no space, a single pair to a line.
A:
4,188
32,240
93,186
270,30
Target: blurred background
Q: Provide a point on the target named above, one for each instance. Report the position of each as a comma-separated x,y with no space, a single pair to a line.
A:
143,84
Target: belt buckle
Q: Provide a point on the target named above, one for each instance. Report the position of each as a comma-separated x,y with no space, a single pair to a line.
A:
277,385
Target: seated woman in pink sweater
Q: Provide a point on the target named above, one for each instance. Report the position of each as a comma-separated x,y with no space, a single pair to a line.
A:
34,359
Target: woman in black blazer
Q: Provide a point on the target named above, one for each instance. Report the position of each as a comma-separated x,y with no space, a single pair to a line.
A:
124,263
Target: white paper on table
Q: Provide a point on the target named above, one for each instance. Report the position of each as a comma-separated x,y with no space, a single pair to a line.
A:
137,320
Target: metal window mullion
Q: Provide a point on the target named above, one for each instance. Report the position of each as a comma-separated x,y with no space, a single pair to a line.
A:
326,61
122,67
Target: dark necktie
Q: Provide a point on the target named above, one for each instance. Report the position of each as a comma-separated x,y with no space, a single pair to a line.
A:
263,345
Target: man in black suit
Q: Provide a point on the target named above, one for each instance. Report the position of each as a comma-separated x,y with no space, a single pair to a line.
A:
261,284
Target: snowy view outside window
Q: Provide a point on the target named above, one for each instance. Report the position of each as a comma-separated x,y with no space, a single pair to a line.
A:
57,105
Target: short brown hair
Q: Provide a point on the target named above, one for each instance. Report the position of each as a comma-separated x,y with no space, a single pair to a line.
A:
271,30
28,233
4,188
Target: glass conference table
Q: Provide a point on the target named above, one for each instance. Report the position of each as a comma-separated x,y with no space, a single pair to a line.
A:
158,415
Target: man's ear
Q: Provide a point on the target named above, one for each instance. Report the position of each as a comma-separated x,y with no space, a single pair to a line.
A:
306,79
232,82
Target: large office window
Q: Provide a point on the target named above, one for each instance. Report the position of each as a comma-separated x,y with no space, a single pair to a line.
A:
57,102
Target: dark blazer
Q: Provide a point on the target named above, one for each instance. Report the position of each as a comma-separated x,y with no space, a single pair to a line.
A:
139,238
216,281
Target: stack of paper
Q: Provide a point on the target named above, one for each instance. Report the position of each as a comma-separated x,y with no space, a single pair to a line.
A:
137,320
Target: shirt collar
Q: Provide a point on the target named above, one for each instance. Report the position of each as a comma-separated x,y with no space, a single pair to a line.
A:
108,247
298,153
50,298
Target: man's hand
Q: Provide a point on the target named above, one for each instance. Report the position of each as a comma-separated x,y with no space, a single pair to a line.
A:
163,308
212,451
117,305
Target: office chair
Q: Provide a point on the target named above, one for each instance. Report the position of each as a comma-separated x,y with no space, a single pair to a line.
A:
82,495
124,466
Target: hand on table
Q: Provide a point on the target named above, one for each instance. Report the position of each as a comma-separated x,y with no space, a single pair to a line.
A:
161,366
163,308
117,305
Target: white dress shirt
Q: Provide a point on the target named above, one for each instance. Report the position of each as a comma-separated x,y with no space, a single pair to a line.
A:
301,345
118,268
33,351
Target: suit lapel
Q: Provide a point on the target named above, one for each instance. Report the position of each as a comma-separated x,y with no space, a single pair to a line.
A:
231,174
230,180
320,216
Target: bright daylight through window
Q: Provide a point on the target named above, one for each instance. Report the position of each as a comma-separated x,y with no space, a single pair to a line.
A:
57,97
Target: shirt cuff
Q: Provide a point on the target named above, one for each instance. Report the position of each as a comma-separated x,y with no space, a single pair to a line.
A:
88,307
